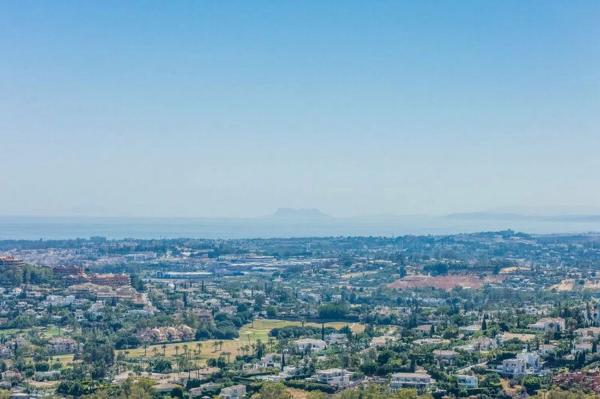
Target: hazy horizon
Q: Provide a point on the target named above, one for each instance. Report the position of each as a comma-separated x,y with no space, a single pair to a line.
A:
291,223
215,109
530,211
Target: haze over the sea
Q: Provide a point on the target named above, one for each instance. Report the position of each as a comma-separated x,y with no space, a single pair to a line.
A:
292,223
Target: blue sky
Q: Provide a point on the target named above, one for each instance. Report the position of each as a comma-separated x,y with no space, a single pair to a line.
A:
234,108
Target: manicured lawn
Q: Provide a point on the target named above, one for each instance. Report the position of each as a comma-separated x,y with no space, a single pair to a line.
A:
53,331
212,349
249,334
46,332
11,331
269,324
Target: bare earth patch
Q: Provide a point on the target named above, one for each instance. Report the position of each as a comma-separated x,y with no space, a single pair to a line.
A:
445,282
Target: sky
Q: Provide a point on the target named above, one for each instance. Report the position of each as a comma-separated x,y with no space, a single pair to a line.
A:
237,108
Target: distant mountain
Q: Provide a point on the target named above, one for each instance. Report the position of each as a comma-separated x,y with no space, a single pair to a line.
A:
290,214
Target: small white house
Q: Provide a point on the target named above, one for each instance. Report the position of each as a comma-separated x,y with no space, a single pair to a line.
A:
467,381
310,344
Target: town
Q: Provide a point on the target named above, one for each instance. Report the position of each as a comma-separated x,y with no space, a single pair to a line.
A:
485,315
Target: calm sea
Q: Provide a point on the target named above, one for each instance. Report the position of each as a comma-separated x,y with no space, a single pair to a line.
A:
33,228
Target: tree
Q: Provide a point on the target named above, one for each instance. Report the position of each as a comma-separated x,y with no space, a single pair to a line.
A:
272,391
136,389
532,384
98,354
260,349
161,365
332,311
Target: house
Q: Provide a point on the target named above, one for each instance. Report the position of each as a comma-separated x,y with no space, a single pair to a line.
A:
444,357
582,347
418,381
110,279
11,375
310,344
271,360
525,363
547,349
467,381
5,352
171,333
79,315
382,341
336,339
58,300
10,261
204,315
478,344
470,329
233,392
549,325
61,345
431,341
592,332
51,375
335,377
425,328
204,388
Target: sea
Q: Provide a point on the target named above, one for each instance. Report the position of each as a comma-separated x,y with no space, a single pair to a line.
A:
56,228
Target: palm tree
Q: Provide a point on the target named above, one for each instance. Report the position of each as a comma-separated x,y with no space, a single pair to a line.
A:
245,349
164,348
271,342
180,364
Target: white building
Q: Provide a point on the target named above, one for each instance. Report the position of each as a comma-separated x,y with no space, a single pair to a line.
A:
525,363
336,339
58,300
444,357
310,344
549,325
419,381
335,377
467,381
233,392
